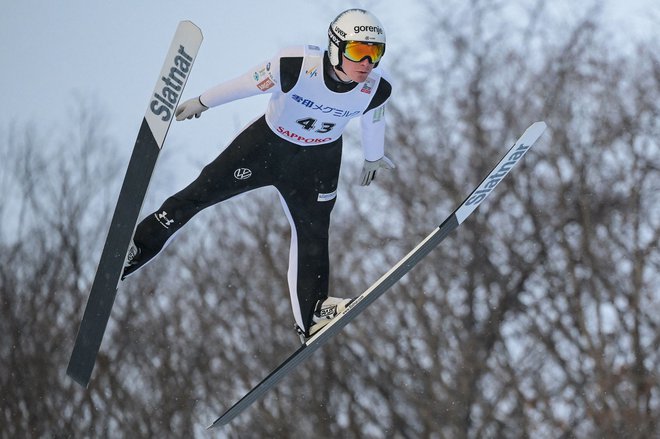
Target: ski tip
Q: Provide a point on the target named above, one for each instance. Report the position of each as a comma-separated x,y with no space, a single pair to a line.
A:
535,130
190,24
540,125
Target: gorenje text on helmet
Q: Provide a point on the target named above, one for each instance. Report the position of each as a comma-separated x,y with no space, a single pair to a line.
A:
358,29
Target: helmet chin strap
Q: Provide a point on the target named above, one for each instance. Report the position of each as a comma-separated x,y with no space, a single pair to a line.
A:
339,67
336,69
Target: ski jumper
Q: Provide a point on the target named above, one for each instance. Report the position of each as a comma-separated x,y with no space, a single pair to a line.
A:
296,147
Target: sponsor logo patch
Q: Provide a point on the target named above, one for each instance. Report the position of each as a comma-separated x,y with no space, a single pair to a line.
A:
376,29
312,71
242,174
326,109
264,78
163,219
328,312
265,84
327,197
303,139
378,114
368,86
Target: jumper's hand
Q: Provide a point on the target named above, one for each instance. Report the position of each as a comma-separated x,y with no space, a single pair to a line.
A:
190,108
369,169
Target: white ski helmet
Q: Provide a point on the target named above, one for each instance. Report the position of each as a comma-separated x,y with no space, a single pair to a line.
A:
353,25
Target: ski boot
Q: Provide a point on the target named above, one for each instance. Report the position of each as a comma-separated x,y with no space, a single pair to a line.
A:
325,311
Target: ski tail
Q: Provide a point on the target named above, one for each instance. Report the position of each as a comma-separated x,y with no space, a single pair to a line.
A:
400,269
151,137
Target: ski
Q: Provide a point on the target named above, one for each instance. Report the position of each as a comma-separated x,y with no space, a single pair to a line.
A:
151,136
513,156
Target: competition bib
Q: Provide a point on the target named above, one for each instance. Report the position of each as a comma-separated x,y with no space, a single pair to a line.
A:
310,114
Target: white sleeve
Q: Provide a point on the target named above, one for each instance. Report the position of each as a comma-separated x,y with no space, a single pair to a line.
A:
262,78
373,124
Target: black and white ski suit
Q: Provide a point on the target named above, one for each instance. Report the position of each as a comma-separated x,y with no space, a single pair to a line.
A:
296,147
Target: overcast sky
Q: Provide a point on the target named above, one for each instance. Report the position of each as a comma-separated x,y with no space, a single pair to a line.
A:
111,53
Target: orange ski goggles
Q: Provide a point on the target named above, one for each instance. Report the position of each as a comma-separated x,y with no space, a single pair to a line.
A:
356,51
